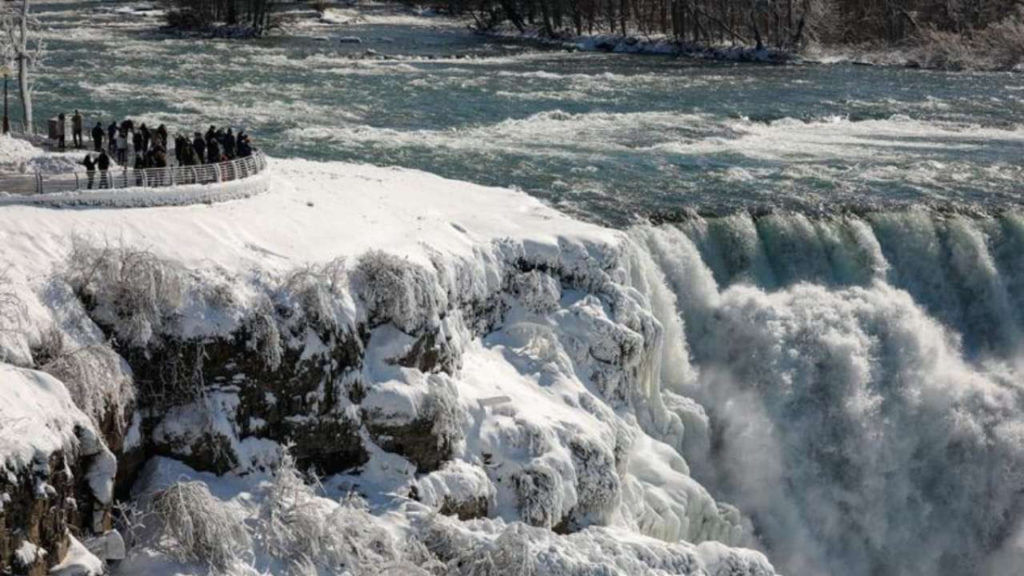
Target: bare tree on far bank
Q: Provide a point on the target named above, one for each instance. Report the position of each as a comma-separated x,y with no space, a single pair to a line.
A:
21,49
254,17
992,29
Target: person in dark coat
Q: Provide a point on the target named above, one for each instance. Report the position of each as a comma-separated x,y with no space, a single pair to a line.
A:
137,141
97,137
61,121
179,148
229,144
211,133
244,148
160,162
90,169
147,137
140,167
161,135
212,151
200,146
112,137
103,163
76,129
188,159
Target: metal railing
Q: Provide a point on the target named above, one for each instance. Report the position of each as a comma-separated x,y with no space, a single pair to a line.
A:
118,177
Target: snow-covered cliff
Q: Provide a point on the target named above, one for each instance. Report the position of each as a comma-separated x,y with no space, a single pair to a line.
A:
424,345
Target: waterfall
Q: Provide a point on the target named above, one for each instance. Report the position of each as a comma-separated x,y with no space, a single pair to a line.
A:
861,375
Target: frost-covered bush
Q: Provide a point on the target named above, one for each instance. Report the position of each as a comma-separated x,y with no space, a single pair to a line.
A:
1004,41
95,376
493,548
264,334
508,555
319,294
309,532
11,307
12,312
999,46
196,527
393,289
441,406
129,289
536,291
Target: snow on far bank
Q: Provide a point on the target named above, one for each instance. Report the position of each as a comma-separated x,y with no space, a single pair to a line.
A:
652,44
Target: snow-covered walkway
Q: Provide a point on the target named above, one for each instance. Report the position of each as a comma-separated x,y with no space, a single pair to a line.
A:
27,181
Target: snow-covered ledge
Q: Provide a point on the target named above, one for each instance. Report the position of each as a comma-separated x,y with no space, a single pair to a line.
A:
20,161
140,197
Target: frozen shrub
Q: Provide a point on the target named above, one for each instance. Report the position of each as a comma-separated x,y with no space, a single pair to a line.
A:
12,313
95,377
949,50
398,291
319,292
12,310
597,483
441,405
1004,41
196,527
467,554
999,46
130,521
264,335
539,494
538,292
310,532
130,290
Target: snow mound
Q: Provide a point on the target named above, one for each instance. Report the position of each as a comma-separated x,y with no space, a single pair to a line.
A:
38,416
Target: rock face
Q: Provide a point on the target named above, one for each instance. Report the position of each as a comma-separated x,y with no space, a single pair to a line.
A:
514,385
57,477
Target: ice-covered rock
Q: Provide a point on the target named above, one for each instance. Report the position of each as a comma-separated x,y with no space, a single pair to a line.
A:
57,473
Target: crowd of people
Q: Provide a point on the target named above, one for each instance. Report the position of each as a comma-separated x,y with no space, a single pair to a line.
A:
143,148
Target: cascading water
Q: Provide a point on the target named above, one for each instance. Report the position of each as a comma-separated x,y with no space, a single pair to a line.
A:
861,377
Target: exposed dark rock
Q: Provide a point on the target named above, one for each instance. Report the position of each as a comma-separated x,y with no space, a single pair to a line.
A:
417,442
296,402
429,356
468,510
40,504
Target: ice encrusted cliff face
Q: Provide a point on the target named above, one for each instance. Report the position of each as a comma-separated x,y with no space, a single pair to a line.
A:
491,391
520,384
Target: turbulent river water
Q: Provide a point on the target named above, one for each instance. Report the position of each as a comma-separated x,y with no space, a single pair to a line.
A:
611,138
860,368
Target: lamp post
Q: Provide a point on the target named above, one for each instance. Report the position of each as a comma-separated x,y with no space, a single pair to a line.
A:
6,70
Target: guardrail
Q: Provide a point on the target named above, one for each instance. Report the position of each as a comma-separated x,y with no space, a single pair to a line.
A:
119,178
